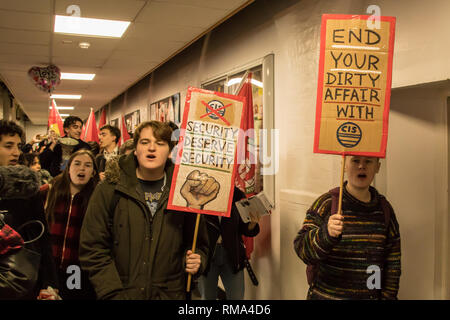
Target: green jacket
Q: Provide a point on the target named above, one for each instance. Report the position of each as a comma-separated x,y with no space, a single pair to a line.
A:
138,257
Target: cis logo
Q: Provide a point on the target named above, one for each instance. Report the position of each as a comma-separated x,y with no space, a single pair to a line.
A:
216,105
349,134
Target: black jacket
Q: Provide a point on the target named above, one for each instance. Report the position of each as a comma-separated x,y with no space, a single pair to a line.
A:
51,160
129,254
231,229
18,212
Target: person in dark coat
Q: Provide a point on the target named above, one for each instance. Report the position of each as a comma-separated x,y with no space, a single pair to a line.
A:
55,156
109,137
227,253
131,245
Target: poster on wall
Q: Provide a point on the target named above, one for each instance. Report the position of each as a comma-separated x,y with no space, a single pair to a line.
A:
354,86
167,109
132,120
114,122
153,111
204,175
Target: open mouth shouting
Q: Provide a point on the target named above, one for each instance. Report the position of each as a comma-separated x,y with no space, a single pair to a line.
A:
362,176
81,177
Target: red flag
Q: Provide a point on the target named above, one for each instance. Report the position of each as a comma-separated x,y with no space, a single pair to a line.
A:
102,121
55,122
124,136
245,177
90,132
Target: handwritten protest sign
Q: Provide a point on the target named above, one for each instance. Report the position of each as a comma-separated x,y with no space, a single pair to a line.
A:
203,179
353,95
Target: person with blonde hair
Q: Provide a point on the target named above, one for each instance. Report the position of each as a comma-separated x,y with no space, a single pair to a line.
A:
343,249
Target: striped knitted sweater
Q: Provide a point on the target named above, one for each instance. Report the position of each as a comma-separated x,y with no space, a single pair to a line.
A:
343,261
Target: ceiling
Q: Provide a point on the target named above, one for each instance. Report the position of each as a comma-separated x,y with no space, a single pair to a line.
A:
159,29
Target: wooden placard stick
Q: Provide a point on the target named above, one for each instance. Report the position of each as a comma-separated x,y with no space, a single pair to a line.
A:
194,243
342,185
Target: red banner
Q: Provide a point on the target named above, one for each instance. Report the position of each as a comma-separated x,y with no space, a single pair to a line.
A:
124,136
102,120
90,132
55,122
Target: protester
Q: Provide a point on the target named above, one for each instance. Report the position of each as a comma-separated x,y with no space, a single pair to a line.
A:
55,156
66,201
227,253
95,147
109,137
127,147
132,247
342,249
19,206
31,160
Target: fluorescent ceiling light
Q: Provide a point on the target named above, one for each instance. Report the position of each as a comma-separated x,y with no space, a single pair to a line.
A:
63,108
77,76
64,114
65,96
90,27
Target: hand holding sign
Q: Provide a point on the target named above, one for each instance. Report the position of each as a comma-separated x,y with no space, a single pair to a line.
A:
335,225
193,262
199,189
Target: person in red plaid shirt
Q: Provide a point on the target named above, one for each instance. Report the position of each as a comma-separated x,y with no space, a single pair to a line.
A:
65,206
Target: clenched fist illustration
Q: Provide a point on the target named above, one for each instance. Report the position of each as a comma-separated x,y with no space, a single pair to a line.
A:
199,189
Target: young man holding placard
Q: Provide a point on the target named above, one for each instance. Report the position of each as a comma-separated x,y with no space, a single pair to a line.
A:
131,245
354,254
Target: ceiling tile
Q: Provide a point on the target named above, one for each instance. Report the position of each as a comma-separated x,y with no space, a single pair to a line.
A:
214,4
152,31
162,14
39,6
27,37
18,49
125,10
82,62
25,21
24,59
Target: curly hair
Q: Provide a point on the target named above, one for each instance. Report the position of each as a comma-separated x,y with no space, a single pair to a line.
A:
11,128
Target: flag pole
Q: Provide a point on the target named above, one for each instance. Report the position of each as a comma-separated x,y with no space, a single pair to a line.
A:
244,78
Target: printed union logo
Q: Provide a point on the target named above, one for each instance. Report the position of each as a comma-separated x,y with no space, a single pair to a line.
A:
349,134
215,105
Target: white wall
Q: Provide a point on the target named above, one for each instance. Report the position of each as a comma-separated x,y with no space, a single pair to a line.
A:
31,130
417,186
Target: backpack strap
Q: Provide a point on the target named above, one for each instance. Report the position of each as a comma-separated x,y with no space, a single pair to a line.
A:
313,269
334,200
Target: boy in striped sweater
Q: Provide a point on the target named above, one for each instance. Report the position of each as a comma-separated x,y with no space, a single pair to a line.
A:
356,254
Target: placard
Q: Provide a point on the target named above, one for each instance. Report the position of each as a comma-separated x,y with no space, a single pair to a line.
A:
204,174
353,95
